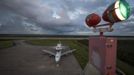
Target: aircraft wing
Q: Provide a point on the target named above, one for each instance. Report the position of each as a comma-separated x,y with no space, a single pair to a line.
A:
49,52
67,52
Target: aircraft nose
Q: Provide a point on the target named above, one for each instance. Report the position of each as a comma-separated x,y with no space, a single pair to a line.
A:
57,60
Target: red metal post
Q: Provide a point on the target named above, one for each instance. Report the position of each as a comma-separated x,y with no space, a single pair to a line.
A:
103,54
101,34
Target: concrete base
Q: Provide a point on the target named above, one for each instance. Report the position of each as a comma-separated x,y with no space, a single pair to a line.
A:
91,70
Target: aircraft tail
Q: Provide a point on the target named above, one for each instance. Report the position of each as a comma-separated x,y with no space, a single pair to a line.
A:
59,41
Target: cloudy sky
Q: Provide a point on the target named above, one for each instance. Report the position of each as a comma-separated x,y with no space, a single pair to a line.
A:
56,17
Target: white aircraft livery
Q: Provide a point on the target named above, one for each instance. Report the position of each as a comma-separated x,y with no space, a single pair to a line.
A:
58,48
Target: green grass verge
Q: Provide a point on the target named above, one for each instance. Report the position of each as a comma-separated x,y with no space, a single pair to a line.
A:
81,53
5,44
125,51
127,69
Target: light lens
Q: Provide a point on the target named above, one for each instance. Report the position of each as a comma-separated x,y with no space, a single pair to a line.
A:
117,11
124,9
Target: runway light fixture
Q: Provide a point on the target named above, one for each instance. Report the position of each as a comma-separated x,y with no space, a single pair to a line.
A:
118,11
124,9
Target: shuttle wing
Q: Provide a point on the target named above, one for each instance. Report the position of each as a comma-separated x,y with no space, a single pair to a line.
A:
67,52
63,47
49,52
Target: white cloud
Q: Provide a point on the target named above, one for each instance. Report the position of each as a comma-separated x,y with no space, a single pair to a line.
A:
44,11
77,13
60,13
55,15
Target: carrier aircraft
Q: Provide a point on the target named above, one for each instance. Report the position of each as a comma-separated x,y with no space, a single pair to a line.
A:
58,52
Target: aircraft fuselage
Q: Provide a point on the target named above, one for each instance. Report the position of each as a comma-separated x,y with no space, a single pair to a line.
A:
57,56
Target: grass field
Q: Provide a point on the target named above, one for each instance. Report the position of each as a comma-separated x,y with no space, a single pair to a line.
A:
5,44
126,51
126,68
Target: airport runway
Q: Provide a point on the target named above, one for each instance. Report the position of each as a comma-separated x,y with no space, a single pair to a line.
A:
26,59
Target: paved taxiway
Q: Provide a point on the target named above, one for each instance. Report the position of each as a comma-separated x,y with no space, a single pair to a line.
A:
26,59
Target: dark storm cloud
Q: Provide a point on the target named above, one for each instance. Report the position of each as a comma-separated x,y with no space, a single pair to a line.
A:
42,12
49,14
11,22
53,16
56,11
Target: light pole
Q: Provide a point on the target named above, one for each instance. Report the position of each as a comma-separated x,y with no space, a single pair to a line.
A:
102,50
